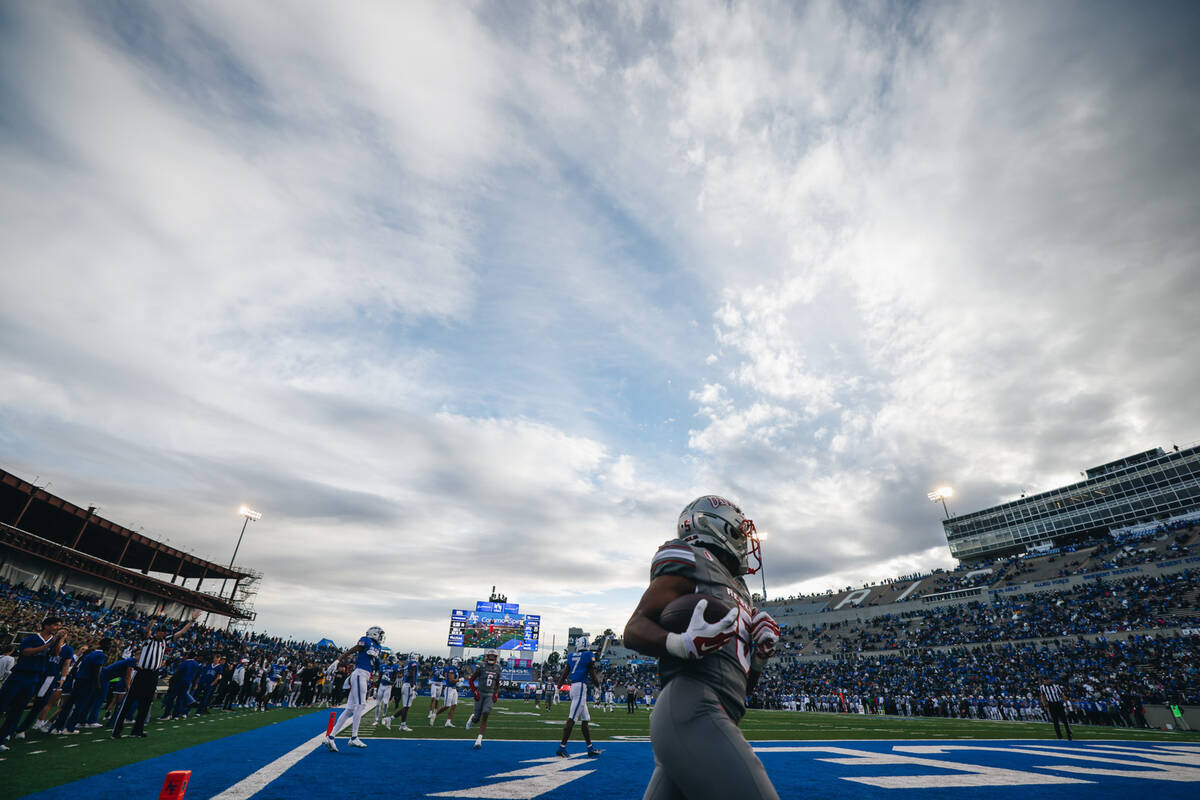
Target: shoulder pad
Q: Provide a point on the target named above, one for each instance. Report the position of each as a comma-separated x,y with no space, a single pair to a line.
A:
674,557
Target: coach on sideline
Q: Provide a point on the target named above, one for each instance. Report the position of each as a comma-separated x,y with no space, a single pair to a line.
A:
145,676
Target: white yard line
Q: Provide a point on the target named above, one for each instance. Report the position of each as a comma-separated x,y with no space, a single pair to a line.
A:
256,782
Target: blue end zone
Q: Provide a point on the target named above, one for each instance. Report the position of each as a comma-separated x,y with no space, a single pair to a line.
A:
397,768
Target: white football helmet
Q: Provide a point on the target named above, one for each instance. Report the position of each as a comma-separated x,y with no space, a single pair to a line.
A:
375,632
491,657
581,643
718,523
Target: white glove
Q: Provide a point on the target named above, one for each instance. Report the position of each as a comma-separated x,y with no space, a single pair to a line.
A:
333,667
702,638
764,632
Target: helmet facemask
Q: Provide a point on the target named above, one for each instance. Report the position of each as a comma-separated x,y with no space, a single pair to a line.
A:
717,523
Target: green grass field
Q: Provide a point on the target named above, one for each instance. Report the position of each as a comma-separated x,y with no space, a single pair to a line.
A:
43,761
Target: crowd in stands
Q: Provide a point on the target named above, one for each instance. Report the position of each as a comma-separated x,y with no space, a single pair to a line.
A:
1107,682
1134,604
1167,540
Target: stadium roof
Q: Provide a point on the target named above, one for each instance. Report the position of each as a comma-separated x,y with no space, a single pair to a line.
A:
53,519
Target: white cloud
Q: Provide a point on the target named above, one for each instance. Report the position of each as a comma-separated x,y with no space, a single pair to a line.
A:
425,281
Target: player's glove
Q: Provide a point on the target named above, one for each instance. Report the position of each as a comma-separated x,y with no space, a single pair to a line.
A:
764,633
702,638
476,693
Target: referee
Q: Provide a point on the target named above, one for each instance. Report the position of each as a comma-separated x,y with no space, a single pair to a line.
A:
145,676
1052,700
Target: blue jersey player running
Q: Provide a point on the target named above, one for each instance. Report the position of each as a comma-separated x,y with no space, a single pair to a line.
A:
366,659
580,669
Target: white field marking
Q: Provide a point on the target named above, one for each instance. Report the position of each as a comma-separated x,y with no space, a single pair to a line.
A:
968,774
257,781
546,776
65,746
1172,770
35,752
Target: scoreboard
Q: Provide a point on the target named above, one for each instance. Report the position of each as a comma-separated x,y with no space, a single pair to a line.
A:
498,625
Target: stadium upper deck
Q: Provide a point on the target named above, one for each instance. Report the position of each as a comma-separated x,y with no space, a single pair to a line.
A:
852,620
1145,486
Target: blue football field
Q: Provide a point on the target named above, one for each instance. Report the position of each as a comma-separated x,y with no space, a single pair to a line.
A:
286,760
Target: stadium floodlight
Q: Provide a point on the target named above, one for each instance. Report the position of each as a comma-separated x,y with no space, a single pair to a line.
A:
941,495
248,515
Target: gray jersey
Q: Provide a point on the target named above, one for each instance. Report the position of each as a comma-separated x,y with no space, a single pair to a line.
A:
487,679
727,669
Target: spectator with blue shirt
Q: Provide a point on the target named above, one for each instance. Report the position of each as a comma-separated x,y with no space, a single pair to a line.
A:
58,666
186,673
85,690
33,655
207,682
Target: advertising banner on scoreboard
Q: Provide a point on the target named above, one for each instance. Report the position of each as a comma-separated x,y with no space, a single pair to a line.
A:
498,625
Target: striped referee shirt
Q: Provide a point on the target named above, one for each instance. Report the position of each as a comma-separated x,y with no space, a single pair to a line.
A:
152,655
1052,693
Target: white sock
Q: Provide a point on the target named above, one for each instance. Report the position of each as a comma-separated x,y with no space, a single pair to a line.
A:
341,721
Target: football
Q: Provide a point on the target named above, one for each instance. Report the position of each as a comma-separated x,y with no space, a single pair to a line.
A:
678,613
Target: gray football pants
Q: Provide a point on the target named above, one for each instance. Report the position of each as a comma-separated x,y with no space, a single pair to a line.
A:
699,752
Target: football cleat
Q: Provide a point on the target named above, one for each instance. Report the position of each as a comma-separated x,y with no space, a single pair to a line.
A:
562,751
449,724
432,717
478,741
593,752
470,721
331,744
387,723
357,742
404,727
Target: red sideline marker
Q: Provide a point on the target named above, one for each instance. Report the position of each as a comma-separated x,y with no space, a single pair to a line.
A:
175,786
332,719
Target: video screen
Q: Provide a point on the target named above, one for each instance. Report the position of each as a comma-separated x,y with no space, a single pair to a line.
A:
498,625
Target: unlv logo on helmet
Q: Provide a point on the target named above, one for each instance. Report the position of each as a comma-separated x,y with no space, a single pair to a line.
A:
717,502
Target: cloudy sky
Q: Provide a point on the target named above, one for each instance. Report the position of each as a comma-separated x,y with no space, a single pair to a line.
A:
470,294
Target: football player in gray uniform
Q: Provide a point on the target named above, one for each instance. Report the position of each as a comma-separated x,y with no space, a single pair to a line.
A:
706,671
485,686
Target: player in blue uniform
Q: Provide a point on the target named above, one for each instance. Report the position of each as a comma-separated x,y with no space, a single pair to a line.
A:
450,693
436,685
383,694
366,659
408,690
580,669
